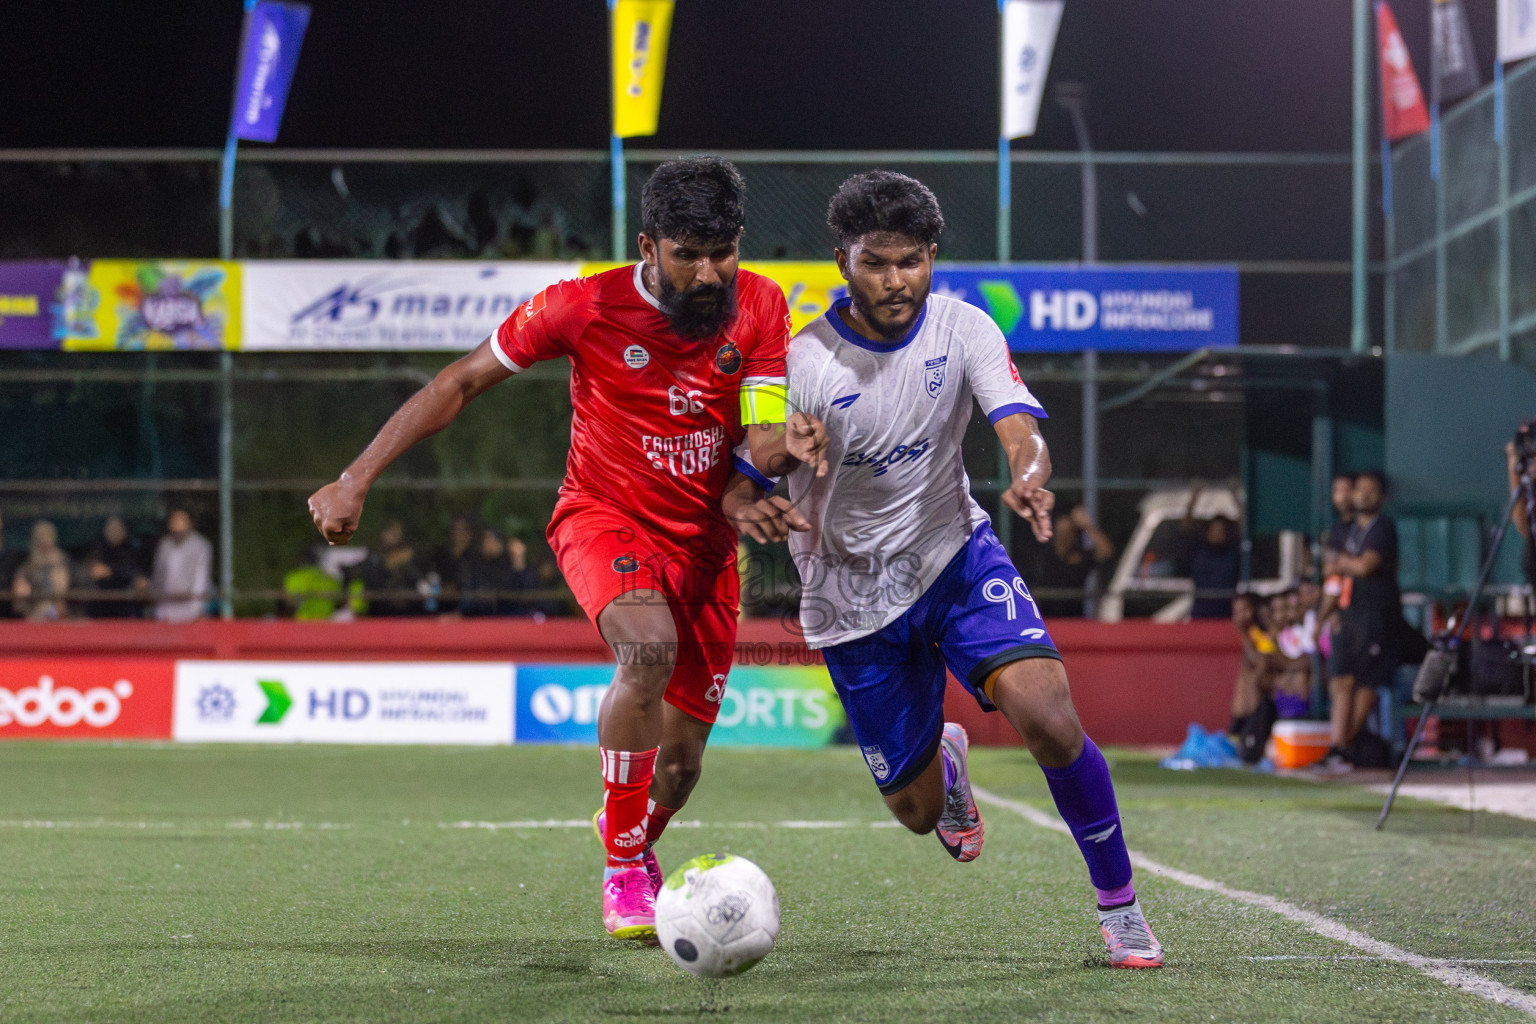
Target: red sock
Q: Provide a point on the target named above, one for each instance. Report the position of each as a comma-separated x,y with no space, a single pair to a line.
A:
659,817
627,778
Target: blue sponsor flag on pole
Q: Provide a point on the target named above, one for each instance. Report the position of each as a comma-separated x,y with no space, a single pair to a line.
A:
269,54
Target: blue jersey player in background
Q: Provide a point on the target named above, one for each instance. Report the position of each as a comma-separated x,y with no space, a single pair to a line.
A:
901,573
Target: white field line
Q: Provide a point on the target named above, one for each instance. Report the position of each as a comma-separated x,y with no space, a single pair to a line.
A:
586,823
1448,972
489,826
1375,959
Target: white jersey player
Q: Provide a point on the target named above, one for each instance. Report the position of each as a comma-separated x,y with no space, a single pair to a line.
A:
902,576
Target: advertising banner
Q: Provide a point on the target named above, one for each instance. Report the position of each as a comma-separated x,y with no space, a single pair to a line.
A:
364,305
1067,309
639,51
761,706
274,32
28,293
1517,30
344,702
153,305
85,698
1029,36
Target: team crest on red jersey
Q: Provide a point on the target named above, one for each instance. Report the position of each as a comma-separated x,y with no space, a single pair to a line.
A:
728,359
528,310
626,563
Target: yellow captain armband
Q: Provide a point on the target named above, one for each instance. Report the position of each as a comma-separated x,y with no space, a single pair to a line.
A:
763,400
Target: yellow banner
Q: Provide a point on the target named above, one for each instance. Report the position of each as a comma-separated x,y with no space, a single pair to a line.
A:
809,287
640,30
152,305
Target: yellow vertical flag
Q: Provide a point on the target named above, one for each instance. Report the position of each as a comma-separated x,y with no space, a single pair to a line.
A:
640,31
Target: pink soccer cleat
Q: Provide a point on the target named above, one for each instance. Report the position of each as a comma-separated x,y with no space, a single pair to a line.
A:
629,904
959,827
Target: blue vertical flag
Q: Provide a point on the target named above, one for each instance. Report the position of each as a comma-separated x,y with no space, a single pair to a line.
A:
269,54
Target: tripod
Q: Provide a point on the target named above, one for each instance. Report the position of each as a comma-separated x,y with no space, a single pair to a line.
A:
1440,663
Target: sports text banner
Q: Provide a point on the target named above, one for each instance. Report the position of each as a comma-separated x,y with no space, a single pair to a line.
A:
344,702
28,295
1044,309
640,30
85,698
274,32
760,706
362,305
154,305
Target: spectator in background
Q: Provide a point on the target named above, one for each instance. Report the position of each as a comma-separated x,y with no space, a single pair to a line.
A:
1290,626
309,592
1342,496
182,579
41,582
1520,514
114,564
1253,705
1213,561
1068,561
486,574
451,561
393,581
1367,647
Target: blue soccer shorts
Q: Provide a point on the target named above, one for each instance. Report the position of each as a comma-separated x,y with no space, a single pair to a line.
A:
975,618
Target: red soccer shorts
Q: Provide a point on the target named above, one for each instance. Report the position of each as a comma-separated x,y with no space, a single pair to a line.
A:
608,556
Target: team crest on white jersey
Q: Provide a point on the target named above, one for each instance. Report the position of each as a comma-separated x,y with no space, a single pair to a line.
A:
935,369
636,356
875,758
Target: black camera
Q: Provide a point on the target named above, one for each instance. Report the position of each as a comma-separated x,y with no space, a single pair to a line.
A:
1525,441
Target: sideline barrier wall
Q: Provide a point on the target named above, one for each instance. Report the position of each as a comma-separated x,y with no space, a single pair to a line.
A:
505,680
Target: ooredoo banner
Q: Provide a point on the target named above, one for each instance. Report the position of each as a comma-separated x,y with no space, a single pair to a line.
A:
344,702
764,706
362,304
86,699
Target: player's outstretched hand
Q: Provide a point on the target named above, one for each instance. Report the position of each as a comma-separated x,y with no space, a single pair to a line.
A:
336,510
767,520
1034,504
806,438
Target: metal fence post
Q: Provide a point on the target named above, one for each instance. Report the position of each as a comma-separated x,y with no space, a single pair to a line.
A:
1359,330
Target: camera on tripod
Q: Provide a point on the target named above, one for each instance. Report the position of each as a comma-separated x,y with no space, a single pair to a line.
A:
1525,442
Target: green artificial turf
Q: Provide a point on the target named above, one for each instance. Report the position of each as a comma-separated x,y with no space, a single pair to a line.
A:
185,883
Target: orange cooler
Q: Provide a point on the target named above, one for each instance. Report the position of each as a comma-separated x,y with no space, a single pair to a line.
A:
1298,743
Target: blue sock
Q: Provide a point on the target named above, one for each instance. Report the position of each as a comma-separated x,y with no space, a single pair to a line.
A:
1085,798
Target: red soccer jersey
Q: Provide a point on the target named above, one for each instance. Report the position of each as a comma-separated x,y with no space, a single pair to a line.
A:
655,417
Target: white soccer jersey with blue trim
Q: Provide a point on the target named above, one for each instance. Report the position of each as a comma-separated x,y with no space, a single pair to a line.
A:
896,505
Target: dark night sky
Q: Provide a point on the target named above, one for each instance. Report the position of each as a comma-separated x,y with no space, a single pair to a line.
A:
1165,74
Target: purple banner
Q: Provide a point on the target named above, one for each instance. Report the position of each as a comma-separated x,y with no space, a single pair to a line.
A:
28,295
273,35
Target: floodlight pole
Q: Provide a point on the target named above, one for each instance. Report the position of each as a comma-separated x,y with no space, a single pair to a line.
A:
1359,329
226,357
1073,98
1004,161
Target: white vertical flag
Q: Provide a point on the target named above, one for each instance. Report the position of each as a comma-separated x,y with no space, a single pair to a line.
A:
1517,30
1029,35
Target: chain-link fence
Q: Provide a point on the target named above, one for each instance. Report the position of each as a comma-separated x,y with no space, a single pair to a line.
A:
1462,242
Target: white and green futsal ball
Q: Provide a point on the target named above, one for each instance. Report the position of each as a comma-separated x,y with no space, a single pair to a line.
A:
717,915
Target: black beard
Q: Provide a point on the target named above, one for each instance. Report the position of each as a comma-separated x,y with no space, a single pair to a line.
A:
700,311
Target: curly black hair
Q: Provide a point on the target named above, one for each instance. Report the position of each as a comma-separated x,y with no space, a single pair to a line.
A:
884,201
700,199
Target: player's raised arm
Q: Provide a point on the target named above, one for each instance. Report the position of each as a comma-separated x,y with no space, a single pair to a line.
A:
337,507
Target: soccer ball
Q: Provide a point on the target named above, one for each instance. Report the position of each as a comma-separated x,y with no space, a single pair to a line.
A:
717,915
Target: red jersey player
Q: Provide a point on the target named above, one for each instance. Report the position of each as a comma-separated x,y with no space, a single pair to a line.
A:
671,360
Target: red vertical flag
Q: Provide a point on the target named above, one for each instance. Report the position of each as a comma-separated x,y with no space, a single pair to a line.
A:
1403,112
